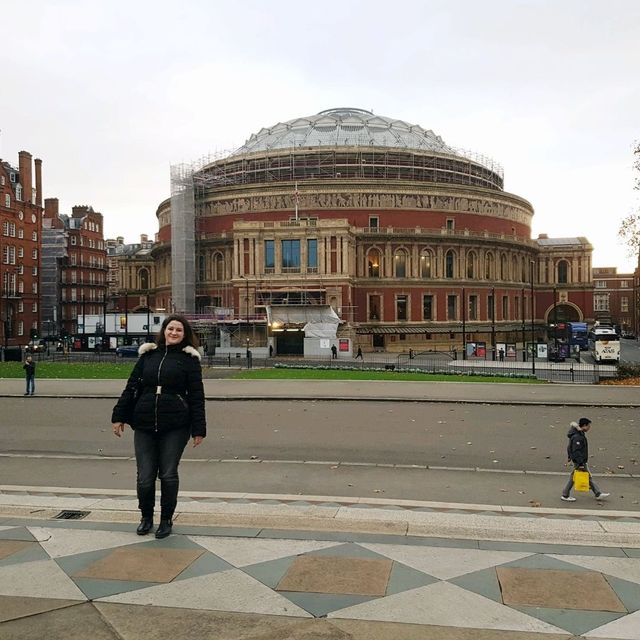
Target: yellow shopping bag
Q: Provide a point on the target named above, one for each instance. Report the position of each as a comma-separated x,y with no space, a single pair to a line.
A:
581,480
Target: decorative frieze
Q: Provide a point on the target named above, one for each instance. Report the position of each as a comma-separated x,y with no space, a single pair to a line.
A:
376,201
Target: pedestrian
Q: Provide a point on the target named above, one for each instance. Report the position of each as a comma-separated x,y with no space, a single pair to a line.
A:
334,352
271,351
501,354
359,354
578,455
163,402
29,367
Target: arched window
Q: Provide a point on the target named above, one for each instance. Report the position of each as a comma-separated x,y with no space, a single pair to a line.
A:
563,272
503,267
218,267
523,275
471,265
143,279
425,263
449,264
373,263
514,268
488,266
400,262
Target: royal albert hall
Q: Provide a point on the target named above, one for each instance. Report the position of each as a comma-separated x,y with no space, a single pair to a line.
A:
414,244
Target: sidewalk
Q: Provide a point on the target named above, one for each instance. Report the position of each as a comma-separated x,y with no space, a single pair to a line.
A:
346,390
251,566
255,566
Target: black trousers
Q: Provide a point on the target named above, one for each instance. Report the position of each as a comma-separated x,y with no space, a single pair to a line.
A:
158,456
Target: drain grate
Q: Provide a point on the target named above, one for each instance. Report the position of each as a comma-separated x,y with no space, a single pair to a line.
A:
71,515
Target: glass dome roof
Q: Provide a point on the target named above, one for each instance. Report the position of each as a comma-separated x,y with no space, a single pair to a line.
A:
345,127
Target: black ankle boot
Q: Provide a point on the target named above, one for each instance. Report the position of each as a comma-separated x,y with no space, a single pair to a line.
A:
146,524
164,529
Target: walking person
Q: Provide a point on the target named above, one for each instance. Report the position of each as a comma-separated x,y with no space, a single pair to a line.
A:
163,402
29,367
359,354
578,455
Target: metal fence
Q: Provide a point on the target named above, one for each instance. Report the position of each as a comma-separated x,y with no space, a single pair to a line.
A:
441,362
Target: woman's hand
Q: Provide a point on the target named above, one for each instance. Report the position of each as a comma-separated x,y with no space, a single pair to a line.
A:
118,428
197,440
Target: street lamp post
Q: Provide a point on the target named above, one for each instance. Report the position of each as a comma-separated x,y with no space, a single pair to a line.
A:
464,327
493,322
533,344
555,321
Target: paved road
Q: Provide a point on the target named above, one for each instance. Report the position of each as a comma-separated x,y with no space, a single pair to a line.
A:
352,440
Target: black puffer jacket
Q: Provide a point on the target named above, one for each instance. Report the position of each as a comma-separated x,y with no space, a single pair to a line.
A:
164,391
578,447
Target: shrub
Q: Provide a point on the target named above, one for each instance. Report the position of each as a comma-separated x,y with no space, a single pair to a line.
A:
628,370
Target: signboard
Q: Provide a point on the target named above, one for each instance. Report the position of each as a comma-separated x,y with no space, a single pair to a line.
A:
511,350
343,344
481,349
471,349
325,343
542,350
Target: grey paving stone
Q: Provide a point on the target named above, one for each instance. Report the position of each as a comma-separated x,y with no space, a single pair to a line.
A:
206,563
18,533
403,578
30,554
563,549
320,604
94,588
226,532
348,550
484,583
539,561
631,553
271,572
628,592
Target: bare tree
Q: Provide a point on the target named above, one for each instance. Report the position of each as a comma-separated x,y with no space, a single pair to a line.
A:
629,231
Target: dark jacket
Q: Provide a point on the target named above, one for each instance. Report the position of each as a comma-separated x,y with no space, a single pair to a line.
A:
578,447
29,369
164,391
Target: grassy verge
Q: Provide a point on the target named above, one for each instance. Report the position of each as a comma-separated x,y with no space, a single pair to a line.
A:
89,370
337,374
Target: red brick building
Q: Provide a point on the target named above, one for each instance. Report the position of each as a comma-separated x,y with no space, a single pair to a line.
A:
614,298
413,243
81,281
20,236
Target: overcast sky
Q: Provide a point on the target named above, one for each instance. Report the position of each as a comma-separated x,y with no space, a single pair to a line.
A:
110,94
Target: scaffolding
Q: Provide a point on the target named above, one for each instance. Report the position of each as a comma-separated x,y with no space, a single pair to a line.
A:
53,250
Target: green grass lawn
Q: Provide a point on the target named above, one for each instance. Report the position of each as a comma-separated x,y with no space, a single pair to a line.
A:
121,371
337,374
90,370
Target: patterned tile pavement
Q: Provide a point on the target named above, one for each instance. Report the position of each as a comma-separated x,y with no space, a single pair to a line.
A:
550,589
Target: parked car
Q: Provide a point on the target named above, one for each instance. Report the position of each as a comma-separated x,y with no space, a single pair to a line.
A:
36,346
127,351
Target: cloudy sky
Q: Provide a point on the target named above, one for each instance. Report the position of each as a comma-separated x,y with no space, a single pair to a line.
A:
110,93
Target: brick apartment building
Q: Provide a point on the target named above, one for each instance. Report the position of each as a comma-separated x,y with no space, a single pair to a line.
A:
20,237
613,298
78,285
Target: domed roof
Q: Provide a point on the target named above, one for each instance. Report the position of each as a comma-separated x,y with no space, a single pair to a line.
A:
345,127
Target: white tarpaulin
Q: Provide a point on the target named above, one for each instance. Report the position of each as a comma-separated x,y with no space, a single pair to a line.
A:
319,321
320,330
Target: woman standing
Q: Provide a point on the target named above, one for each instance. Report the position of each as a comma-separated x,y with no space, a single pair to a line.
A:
164,404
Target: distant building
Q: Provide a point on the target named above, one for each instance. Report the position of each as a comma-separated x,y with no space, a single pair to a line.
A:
613,298
76,261
20,236
131,274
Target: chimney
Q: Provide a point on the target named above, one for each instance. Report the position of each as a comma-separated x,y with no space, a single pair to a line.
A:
51,208
38,164
24,166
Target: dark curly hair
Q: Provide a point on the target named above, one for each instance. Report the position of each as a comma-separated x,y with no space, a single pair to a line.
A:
190,338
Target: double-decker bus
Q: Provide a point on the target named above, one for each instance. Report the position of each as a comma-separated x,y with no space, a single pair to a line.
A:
578,335
604,344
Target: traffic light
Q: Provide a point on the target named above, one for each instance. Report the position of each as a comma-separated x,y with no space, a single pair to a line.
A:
34,334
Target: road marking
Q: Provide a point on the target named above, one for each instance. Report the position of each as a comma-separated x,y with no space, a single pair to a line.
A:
377,465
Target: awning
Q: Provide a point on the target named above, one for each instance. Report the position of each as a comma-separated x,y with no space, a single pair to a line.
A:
470,328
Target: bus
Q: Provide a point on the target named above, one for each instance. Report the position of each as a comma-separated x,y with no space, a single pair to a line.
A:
578,335
604,344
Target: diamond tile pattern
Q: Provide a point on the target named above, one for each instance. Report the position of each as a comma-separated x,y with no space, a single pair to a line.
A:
507,587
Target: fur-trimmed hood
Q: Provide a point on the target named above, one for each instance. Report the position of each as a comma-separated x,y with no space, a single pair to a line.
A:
150,346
